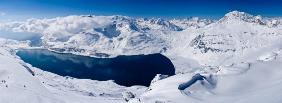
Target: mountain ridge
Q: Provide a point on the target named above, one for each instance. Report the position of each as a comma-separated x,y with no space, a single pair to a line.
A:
91,35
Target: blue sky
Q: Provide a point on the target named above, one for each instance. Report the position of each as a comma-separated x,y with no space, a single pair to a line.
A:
23,9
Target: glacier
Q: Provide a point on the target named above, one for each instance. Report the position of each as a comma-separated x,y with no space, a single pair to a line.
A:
241,49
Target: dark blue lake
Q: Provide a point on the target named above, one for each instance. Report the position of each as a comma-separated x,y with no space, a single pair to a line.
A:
124,70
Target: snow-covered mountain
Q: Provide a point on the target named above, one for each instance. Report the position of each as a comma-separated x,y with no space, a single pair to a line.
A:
234,34
110,35
237,48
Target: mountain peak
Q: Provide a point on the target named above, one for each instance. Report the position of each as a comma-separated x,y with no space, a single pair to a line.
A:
237,15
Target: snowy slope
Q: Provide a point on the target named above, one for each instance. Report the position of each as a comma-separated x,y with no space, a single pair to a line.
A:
18,84
243,51
106,36
261,83
22,83
245,88
233,36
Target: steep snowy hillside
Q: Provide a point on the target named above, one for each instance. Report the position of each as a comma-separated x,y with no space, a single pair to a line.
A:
261,84
233,36
18,84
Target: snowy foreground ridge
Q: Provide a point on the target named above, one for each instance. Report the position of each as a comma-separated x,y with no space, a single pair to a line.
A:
240,52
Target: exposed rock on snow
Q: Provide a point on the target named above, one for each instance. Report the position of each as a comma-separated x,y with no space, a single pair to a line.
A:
268,57
159,77
14,43
234,69
127,96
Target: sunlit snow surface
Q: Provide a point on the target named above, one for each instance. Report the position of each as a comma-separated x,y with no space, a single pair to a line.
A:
243,52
